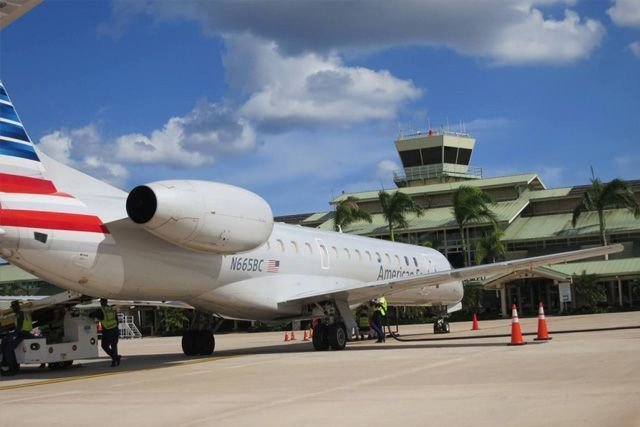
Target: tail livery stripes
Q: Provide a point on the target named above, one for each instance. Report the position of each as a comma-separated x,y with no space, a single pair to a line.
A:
20,167
28,198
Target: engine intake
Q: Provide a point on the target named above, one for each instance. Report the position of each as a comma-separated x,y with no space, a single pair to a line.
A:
201,215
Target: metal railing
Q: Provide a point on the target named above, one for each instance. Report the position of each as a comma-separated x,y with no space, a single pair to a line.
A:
435,171
127,328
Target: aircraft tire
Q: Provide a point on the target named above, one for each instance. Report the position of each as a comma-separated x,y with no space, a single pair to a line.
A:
337,336
320,339
189,343
205,342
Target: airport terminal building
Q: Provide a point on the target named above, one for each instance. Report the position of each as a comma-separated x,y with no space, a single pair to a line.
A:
536,221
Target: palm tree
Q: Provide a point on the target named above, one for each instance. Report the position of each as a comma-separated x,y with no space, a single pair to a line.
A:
615,194
471,204
395,207
489,247
348,211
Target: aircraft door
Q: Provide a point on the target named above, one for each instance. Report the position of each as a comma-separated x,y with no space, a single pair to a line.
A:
324,254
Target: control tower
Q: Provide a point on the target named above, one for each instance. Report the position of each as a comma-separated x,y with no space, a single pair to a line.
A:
435,156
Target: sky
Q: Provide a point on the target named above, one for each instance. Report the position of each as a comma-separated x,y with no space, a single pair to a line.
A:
300,100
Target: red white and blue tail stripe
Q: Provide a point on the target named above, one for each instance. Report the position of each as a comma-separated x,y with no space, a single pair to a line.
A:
28,197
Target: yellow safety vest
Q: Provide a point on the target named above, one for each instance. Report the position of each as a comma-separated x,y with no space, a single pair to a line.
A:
27,325
363,321
109,318
383,305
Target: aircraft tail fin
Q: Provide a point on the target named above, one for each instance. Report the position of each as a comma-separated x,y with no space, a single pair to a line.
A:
54,196
21,170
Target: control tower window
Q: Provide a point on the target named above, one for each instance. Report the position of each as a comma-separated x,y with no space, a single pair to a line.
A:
410,158
450,154
464,156
431,156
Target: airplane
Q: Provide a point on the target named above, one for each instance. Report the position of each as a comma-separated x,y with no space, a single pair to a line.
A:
210,245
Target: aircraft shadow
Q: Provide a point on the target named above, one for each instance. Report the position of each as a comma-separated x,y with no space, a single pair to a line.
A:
142,362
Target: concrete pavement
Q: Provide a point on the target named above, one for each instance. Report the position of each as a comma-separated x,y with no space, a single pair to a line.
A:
577,379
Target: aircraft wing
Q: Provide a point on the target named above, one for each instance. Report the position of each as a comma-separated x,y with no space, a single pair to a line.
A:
361,292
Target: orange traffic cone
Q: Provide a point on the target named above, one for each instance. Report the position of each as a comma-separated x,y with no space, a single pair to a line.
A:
306,335
475,326
286,336
543,333
516,332
293,336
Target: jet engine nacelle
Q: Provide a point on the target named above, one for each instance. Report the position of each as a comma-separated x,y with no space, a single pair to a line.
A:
201,215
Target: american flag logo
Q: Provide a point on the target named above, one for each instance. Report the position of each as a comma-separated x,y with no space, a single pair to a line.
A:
273,265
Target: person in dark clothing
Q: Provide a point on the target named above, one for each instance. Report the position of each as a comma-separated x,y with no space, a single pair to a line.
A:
110,333
23,328
376,321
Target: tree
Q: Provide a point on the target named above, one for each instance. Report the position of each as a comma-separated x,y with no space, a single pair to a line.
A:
615,194
489,247
589,290
347,212
395,207
471,204
173,320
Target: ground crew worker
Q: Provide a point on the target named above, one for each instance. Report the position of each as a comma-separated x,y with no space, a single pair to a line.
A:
23,328
110,333
362,314
383,303
380,306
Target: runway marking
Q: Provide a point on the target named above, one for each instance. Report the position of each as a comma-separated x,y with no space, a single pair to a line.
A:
106,374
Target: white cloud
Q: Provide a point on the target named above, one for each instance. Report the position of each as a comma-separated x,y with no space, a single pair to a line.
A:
514,32
309,88
635,48
625,13
84,149
386,170
193,140
539,40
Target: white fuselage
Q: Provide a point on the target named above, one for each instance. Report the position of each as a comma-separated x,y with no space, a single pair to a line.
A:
131,263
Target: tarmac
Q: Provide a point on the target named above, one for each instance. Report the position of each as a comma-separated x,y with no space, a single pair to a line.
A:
469,378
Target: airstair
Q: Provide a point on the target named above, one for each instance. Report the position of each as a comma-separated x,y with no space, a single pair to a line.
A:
127,328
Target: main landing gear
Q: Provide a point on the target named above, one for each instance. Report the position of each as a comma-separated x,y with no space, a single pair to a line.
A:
196,343
336,322
199,339
441,326
333,335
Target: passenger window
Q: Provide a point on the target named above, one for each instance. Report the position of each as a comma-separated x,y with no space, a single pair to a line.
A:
369,255
415,261
398,260
294,245
280,245
378,257
347,254
406,260
335,251
388,259
358,254
309,248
